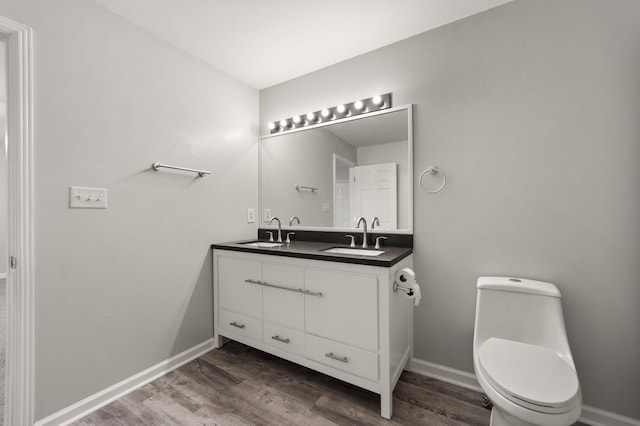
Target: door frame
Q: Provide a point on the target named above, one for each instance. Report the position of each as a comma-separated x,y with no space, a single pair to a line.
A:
19,389
337,158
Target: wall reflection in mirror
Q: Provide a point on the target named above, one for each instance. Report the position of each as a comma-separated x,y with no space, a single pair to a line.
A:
330,175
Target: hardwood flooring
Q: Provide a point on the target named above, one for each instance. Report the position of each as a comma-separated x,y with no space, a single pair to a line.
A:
239,385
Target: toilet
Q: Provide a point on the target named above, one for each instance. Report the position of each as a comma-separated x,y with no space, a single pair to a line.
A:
521,354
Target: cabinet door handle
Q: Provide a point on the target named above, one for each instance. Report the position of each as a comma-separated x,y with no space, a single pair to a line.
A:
336,357
235,324
297,290
280,339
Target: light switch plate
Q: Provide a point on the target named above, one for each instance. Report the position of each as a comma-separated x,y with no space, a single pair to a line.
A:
81,197
251,215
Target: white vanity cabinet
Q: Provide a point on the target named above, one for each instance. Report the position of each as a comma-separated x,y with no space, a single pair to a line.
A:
341,319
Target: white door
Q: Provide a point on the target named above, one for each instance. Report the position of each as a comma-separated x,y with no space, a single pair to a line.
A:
374,193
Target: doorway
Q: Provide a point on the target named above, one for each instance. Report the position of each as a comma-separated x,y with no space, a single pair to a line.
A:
18,407
3,224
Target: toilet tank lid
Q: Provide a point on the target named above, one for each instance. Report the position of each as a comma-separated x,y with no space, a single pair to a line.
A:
519,285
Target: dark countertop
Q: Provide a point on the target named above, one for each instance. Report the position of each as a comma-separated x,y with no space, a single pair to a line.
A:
313,250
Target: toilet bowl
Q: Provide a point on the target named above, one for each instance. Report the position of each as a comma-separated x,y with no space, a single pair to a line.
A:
521,354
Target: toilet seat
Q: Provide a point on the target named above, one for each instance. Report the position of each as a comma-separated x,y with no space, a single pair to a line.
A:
531,376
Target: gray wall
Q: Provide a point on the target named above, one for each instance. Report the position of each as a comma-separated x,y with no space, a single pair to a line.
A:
122,289
532,112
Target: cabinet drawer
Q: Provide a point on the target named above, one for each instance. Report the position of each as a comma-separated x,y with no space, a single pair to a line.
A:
235,294
342,357
284,304
347,310
241,324
283,338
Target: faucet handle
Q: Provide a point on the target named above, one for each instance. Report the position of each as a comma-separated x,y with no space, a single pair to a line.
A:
288,241
353,240
378,241
270,235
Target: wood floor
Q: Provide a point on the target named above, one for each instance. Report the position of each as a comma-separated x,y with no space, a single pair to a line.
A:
238,385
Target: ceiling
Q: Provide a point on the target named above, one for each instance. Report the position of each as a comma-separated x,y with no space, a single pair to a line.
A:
266,42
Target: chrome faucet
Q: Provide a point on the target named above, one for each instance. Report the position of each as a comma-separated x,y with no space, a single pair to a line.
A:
364,232
375,222
279,228
296,218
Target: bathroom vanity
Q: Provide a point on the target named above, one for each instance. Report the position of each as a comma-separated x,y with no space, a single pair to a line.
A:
334,313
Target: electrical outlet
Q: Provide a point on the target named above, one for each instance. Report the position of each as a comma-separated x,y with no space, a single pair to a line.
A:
87,198
267,215
251,215
325,207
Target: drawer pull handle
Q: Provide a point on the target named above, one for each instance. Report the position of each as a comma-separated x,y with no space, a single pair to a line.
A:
280,339
235,324
297,290
336,357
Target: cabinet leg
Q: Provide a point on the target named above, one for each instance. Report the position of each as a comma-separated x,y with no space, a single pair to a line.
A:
218,341
386,404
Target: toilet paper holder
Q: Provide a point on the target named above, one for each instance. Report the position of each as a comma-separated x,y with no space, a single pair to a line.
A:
397,287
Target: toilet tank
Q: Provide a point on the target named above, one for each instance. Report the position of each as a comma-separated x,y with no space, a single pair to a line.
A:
523,310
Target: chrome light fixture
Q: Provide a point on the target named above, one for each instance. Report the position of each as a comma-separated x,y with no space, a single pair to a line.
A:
374,103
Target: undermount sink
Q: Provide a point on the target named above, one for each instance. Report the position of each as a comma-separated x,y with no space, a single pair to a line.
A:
361,252
263,244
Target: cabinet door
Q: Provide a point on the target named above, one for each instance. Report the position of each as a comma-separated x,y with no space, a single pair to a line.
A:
346,310
283,306
234,292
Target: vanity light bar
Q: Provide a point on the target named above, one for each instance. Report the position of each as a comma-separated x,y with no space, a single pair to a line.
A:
374,103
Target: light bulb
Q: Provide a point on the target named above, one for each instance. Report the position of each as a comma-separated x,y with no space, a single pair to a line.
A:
377,100
358,105
311,116
341,109
272,126
325,113
297,119
284,124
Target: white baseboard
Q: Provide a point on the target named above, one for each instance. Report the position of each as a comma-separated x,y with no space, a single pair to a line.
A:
110,394
590,415
446,374
597,417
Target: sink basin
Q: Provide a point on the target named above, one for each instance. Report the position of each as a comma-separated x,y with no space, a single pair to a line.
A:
263,244
361,252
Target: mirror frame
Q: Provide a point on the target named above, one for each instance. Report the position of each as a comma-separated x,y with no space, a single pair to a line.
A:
408,108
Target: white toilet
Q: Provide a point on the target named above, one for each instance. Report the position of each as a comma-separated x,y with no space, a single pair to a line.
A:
521,354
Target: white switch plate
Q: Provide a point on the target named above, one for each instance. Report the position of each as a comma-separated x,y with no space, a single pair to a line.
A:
325,207
251,215
81,197
267,215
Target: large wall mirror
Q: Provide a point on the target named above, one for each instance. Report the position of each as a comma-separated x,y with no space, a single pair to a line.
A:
330,174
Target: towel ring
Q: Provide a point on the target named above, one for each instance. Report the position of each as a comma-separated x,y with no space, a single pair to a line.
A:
433,170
